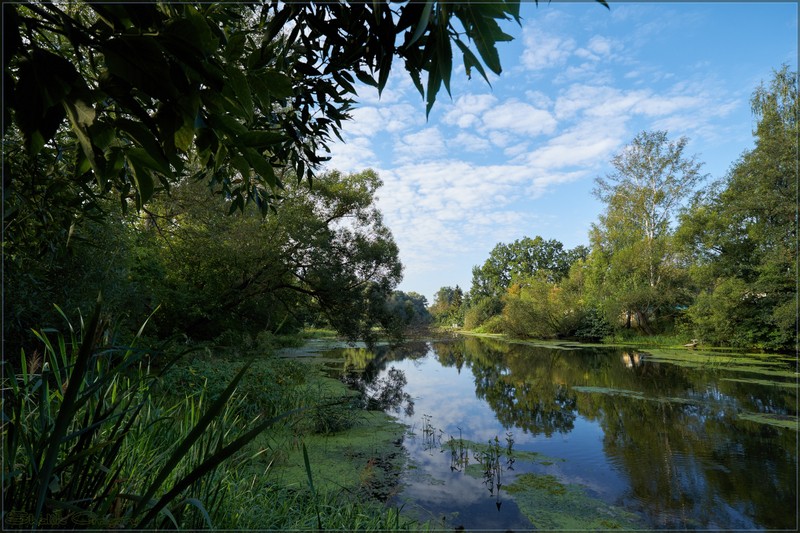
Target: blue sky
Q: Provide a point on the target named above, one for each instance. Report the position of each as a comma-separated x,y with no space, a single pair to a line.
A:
519,158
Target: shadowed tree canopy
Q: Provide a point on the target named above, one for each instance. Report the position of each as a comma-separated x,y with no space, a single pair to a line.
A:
130,97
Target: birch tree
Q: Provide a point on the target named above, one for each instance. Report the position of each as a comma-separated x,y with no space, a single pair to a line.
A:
651,180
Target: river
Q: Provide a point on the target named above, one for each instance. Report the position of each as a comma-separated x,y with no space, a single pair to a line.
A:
520,436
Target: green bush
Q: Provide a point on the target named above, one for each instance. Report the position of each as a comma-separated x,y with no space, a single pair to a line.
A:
481,311
592,326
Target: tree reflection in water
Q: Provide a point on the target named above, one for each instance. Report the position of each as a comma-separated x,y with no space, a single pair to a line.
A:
674,435
674,430
382,393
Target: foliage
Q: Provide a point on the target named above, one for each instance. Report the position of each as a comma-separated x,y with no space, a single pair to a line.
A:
521,259
408,310
87,442
326,252
535,308
743,233
139,91
481,310
592,326
447,308
633,255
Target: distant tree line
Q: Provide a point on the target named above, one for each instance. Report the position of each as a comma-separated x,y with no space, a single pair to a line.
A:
669,254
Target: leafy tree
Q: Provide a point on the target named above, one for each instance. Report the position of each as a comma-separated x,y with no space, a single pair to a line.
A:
408,310
743,233
135,95
633,256
481,310
533,309
447,307
418,304
523,258
325,251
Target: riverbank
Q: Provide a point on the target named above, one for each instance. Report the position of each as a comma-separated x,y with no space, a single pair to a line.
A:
332,465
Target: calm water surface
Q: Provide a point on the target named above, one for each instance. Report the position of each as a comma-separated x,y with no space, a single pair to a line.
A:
674,443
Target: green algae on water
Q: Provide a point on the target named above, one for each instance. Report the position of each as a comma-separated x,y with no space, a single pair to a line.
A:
765,382
777,420
366,457
550,504
773,365
634,394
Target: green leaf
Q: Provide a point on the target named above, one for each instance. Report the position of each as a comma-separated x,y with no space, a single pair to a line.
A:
445,57
471,61
226,124
261,139
307,464
142,136
278,84
240,163
366,78
188,108
277,23
485,37
235,47
241,89
384,70
262,167
142,164
422,25
76,117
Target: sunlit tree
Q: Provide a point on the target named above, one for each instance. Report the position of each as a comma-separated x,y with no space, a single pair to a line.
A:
633,253
743,232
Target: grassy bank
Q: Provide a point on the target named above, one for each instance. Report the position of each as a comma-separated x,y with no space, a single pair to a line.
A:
333,464
100,432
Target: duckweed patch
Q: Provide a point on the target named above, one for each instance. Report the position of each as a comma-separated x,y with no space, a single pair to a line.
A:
765,382
550,504
777,420
367,459
765,364
633,394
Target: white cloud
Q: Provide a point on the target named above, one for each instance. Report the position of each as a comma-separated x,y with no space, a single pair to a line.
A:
602,46
354,156
500,139
544,50
365,121
539,99
520,118
469,142
466,109
665,105
426,143
588,144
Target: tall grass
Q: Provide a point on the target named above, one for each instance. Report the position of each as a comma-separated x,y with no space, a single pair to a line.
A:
88,445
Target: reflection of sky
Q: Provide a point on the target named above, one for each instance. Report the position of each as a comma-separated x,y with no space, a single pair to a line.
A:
447,397
680,473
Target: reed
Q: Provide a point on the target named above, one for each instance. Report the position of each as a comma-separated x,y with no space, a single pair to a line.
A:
88,445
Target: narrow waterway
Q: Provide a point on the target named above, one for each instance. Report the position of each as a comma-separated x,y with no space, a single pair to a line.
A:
513,436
